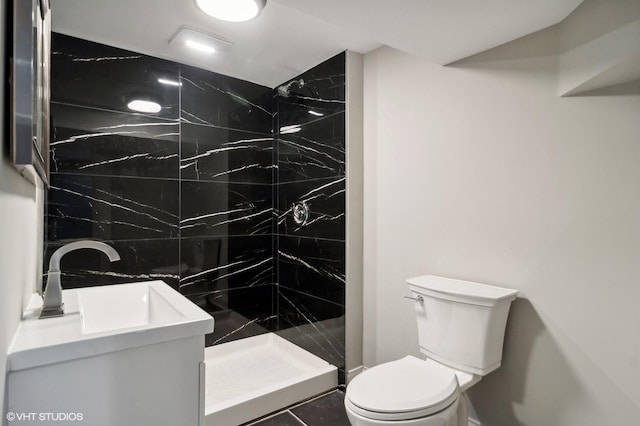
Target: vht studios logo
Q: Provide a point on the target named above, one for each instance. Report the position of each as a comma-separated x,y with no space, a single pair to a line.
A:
44,417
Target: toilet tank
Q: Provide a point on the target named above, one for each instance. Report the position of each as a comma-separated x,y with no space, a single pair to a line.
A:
461,323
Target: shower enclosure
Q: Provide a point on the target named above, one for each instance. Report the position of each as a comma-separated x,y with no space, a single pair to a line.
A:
235,194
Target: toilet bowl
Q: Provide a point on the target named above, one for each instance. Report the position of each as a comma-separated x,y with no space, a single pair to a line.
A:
461,331
408,391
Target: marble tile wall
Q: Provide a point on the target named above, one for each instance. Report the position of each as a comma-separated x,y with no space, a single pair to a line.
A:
311,169
184,195
200,195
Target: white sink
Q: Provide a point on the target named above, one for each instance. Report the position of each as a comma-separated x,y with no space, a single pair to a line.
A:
105,319
124,306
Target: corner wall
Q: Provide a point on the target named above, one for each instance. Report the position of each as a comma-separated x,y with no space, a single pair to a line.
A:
354,212
480,171
20,227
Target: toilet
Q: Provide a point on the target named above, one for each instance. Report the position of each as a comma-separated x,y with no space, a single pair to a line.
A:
461,328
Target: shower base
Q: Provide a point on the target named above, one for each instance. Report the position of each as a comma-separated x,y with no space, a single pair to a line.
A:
255,376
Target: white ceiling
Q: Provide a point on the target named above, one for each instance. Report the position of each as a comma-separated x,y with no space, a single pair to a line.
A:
291,36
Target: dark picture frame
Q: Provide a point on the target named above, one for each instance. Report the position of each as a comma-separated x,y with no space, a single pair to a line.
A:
30,88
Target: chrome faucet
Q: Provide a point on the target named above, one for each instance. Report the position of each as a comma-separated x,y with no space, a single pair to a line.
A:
53,306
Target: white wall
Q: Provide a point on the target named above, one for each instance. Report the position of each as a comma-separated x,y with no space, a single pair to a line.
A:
480,171
354,200
20,231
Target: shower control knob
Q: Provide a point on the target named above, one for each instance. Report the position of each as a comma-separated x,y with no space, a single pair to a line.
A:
300,212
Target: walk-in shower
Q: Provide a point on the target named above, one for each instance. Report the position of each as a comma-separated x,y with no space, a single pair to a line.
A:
203,195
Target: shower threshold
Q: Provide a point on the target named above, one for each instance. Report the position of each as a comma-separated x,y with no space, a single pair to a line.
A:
255,376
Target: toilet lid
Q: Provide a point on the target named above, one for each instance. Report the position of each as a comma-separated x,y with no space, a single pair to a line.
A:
406,388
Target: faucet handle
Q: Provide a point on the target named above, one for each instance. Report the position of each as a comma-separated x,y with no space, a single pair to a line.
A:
52,305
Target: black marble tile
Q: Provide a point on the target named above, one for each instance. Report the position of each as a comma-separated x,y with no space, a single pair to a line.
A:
140,260
219,154
325,199
282,419
323,411
111,208
316,151
217,208
323,94
214,264
90,141
218,100
141,181
313,266
238,313
314,324
92,74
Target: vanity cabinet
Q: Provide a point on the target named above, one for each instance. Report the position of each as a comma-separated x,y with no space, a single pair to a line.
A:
143,367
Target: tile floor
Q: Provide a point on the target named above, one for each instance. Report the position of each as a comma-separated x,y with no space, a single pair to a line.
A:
325,410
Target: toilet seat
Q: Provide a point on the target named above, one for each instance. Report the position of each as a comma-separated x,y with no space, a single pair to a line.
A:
406,389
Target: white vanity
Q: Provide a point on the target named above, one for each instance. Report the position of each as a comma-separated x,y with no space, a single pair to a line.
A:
127,354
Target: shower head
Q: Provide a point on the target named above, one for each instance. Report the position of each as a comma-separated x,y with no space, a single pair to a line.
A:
285,89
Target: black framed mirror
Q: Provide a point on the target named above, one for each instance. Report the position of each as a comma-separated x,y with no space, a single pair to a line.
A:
30,77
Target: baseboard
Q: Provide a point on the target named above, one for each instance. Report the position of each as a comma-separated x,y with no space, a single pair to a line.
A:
354,372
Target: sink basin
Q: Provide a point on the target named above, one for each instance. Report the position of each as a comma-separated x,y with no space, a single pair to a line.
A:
105,319
120,307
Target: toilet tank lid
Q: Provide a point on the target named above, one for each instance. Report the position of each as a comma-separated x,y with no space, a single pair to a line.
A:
449,288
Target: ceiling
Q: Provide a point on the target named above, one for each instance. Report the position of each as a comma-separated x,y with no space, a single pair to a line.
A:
291,36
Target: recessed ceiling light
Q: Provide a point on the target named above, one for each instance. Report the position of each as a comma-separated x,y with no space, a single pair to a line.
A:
316,113
199,41
232,10
146,106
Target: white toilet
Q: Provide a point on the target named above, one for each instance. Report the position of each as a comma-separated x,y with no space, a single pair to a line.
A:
461,328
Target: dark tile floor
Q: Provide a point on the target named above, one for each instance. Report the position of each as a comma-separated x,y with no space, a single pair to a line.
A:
325,410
